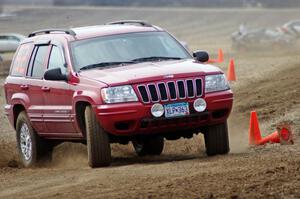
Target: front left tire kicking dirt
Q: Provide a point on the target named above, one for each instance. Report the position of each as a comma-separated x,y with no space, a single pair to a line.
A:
31,147
98,145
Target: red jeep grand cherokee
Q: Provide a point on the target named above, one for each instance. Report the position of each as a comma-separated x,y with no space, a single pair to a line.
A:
115,83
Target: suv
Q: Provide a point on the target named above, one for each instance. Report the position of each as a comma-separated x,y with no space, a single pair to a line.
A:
126,81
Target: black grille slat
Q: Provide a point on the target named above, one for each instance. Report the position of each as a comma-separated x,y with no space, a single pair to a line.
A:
181,90
163,91
198,87
172,90
153,92
144,94
190,88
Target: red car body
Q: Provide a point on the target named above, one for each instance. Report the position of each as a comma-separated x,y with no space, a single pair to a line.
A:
55,108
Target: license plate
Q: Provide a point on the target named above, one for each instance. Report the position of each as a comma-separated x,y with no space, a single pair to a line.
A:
177,109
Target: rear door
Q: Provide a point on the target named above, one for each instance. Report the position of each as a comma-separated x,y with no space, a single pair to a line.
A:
58,98
16,87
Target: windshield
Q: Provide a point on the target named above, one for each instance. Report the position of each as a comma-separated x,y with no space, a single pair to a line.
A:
126,48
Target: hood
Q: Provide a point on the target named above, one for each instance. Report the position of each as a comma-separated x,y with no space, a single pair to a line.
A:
150,71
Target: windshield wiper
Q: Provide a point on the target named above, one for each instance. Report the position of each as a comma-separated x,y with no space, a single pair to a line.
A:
104,64
155,58
142,59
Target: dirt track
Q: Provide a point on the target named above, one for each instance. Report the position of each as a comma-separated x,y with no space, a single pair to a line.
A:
267,82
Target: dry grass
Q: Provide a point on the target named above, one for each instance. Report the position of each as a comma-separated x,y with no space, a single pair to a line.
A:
4,67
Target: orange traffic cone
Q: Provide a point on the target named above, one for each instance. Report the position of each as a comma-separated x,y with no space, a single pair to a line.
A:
272,138
231,71
254,131
285,133
220,55
220,58
282,135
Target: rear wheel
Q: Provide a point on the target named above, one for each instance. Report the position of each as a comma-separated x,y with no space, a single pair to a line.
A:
31,147
98,145
216,139
149,145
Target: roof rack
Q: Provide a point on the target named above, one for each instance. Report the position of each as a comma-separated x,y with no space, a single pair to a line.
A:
48,31
142,23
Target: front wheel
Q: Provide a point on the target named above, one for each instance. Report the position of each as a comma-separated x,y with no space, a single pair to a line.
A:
149,145
216,139
98,145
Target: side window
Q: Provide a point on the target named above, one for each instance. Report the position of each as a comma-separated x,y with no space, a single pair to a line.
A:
56,59
20,63
38,67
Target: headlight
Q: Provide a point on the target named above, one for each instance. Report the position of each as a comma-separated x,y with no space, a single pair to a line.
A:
119,94
216,83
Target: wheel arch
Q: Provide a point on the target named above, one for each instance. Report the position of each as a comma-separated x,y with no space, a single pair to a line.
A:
80,117
80,101
19,103
17,109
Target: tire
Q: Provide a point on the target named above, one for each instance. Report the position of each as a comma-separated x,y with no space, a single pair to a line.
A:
32,148
98,145
216,139
149,146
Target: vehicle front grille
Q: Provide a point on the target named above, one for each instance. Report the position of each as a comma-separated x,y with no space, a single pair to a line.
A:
171,90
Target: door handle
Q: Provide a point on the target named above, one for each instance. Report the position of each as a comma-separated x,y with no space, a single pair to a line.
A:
45,89
24,87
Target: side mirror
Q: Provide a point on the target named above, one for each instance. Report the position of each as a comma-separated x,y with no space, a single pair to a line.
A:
201,56
55,74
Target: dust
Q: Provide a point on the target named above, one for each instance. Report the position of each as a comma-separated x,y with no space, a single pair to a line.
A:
7,136
119,150
193,146
238,131
69,155
8,150
238,140
74,155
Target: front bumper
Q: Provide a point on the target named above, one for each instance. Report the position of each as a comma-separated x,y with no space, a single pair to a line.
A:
135,118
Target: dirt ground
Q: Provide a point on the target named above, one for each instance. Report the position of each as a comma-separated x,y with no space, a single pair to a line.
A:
268,82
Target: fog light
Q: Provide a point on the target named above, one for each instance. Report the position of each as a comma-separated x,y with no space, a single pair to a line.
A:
157,110
199,105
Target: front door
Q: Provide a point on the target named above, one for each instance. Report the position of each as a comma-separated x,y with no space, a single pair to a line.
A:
57,96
